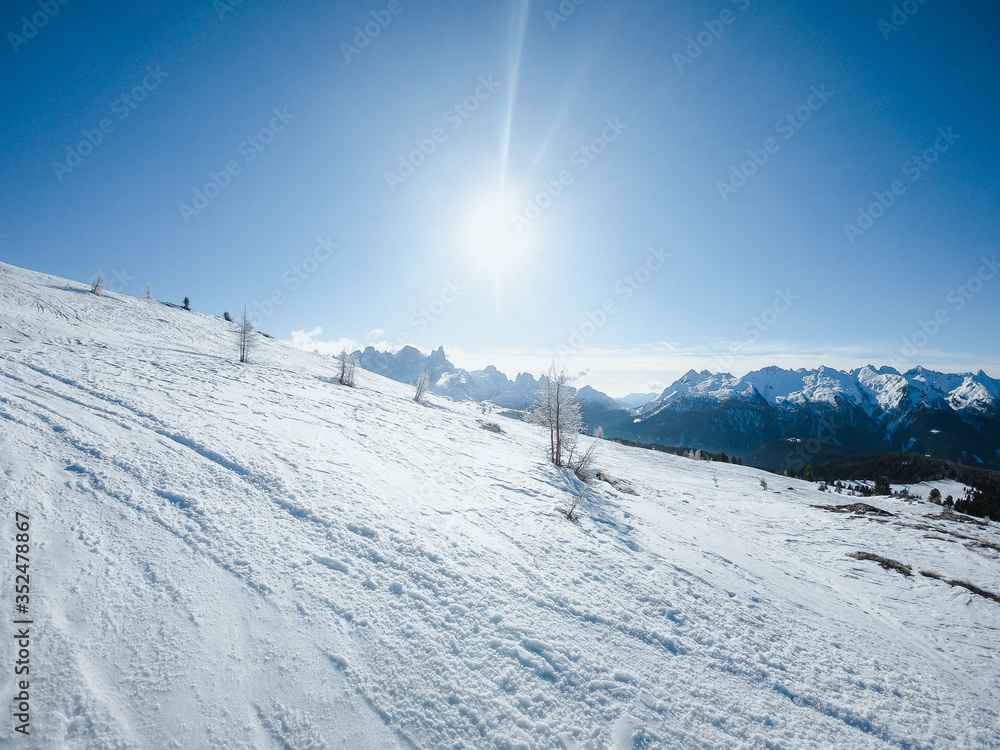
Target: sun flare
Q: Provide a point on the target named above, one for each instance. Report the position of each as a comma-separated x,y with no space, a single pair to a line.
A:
490,238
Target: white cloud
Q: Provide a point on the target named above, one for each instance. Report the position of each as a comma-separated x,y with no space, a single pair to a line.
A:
310,341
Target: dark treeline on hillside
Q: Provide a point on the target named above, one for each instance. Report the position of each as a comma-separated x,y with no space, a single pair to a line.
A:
678,451
910,468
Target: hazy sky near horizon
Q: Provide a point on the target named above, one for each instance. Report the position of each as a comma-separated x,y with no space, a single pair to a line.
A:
640,187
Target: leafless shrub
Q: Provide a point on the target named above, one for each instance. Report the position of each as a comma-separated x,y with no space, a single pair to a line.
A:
571,512
98,284
581,463
423,384
348,368
244,336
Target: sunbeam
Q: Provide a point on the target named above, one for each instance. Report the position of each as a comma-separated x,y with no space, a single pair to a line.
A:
515,76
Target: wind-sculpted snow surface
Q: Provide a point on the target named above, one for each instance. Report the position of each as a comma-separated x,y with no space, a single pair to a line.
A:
232,556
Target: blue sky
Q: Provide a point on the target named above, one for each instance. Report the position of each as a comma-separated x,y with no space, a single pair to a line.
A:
638,187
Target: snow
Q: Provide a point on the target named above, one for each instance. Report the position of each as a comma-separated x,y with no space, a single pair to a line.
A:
779,386
978,392
636,400
874,391
231,556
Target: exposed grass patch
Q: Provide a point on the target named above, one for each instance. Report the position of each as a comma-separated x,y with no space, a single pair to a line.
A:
939,538
861,509
987,545
885,562
962,584
975,590
973,542
957,518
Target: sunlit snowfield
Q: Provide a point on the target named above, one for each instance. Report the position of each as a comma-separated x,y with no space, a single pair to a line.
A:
232,556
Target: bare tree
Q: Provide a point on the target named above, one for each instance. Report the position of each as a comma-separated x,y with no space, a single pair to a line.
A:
570,512
348,367
423,384
98,284
244,335
149,291
555,409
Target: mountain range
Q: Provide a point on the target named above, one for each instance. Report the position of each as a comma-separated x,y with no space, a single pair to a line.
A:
771,417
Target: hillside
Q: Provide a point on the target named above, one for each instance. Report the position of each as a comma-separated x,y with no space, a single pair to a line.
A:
232,556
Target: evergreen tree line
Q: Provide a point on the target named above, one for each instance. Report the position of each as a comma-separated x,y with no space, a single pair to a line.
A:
911,468
681,451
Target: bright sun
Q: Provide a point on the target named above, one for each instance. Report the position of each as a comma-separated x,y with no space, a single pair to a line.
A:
489,236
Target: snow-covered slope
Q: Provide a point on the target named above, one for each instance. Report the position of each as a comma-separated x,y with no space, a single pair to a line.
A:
230,556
